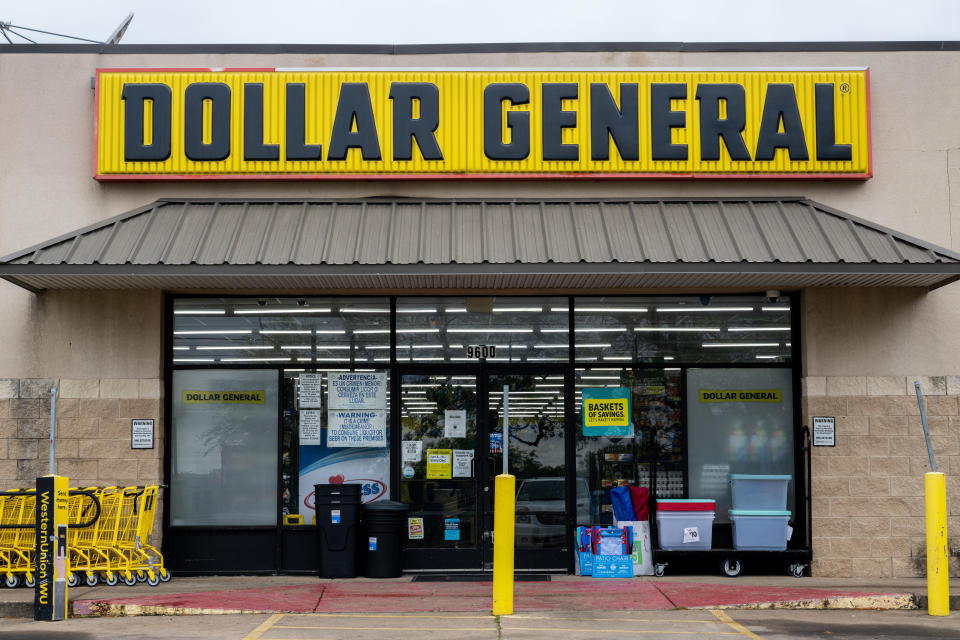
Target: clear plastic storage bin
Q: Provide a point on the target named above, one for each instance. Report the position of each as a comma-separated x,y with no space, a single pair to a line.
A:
674,516
759,530
758,492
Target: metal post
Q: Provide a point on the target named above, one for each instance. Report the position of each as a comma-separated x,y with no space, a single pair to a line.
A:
53,431
926,430
935,492
506,427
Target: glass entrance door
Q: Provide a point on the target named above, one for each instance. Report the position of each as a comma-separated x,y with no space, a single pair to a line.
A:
440,473
536,445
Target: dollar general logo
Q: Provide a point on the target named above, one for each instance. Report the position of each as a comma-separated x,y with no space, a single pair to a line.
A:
224,397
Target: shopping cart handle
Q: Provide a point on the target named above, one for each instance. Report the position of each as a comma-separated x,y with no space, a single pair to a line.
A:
96,503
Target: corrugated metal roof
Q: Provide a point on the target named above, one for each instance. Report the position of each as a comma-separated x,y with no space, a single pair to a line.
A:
482,244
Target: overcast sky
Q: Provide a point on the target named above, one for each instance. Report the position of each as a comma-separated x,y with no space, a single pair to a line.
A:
441,21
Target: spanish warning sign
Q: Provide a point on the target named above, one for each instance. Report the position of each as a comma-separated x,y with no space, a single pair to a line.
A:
606,412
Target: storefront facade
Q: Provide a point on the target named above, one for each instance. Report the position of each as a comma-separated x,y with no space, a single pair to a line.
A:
224,295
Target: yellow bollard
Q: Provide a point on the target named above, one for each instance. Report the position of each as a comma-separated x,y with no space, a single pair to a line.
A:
503,533
938,585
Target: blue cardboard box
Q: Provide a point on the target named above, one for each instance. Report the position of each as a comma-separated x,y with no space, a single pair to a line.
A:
584,563
620,566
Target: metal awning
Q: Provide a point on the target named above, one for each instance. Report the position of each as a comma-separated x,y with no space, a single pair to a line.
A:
496,244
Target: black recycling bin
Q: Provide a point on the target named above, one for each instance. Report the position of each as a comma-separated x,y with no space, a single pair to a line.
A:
338,525
385,522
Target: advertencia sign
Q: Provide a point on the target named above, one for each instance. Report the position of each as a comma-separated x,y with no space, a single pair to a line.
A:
256,124
606,412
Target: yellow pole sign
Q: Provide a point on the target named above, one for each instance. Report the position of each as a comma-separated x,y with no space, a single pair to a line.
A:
639,123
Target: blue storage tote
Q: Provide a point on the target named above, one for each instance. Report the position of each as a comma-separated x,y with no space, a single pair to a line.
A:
758,492
759,530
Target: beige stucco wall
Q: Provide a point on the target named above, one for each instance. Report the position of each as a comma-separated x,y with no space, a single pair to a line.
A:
47,118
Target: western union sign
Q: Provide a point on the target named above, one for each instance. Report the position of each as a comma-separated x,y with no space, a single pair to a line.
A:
224,397
588,124
744,395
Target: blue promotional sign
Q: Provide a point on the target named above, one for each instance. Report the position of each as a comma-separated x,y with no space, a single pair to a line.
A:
451,529
496,443
605,411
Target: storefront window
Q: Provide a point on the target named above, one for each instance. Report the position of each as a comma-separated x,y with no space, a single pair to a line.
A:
662,329
224,447
284,331
654,455
740,421
450,329
309,455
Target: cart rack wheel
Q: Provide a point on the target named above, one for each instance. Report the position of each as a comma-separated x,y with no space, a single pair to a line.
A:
92,579
731,567
111,579
74,579
13,580
30,581
153,579
165,575
660,569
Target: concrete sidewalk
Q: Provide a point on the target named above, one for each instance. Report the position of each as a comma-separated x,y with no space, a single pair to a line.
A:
298,594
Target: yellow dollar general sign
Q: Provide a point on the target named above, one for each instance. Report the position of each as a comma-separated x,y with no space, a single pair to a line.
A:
274,124
745,395
224,397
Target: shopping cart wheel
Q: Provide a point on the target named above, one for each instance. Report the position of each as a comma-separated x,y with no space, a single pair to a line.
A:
153,580
93,579
30,581
129,579
73,579
111,579
141,575
165,575
731,567
13,580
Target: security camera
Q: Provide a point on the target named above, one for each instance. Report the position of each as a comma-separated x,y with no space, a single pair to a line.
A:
773,295
302,302
262,303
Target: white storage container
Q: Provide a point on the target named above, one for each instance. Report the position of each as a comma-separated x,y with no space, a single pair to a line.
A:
690,527
759,530
759,492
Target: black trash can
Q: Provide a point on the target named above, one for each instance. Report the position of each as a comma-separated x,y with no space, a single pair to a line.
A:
385,523
338,526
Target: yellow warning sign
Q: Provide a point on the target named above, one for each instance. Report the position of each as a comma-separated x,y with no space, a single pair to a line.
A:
439,464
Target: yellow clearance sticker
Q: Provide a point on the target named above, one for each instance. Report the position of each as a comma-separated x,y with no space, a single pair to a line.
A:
740,395
224,397
265,123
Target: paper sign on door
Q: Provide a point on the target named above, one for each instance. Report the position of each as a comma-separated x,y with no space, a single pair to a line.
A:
439,464
463,463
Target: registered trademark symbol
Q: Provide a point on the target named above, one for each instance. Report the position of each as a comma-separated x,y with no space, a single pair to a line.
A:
844,88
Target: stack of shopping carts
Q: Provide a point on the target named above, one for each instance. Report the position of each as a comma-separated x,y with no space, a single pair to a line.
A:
109,531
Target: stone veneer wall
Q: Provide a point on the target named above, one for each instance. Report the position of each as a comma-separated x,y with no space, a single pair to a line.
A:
93,432
868,491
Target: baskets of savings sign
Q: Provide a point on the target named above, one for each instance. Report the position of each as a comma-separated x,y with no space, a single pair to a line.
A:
606,412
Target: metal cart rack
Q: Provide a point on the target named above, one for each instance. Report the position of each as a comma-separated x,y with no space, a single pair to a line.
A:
731,562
